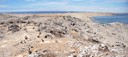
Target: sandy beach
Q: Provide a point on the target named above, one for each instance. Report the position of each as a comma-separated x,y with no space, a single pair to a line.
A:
61,35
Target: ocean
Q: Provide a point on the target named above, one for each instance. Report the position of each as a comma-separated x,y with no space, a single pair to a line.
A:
122,18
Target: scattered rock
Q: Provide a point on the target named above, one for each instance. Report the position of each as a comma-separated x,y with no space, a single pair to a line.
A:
60,36
14,28
103,47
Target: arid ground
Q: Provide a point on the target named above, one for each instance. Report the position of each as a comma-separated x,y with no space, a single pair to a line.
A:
61,35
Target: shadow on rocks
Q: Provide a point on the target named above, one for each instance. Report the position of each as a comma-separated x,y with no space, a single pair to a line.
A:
13,28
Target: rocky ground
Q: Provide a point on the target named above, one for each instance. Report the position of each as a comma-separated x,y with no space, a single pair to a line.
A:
65,35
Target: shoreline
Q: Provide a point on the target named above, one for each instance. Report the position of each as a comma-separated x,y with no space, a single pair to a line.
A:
61,35
86,15
89,16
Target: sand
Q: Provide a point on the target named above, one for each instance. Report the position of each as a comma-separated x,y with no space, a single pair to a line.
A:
61,35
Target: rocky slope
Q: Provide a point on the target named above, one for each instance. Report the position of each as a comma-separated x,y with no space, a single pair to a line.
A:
65,35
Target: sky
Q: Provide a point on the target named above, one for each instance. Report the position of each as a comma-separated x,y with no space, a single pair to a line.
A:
116,6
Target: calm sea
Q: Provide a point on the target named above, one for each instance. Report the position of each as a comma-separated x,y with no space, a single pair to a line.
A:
122,18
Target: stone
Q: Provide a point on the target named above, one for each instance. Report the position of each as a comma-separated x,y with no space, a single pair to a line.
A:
14,28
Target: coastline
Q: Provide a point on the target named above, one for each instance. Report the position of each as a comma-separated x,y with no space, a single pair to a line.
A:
57,35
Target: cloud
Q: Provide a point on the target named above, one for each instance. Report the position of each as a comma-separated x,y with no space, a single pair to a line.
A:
120,0
30,0
68,5
77,0
3,6
48,4
2,0
94,9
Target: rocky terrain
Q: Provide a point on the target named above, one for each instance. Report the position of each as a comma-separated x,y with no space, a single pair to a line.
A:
61,35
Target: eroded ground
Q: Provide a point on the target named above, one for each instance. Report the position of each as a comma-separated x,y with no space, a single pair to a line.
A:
65,35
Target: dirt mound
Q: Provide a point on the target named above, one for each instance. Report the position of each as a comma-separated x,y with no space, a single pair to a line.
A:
60,36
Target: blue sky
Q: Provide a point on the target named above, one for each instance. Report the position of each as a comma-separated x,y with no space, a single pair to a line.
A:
119,6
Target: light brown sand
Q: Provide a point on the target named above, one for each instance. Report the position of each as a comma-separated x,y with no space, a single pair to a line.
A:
83,39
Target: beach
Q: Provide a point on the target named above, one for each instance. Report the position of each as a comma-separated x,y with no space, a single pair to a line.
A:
61,35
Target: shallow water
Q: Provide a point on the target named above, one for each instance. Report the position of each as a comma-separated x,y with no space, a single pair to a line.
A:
122,18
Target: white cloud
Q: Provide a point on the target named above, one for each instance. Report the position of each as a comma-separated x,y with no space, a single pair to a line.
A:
3,6
2,0
65,5
48,4
77,0
30,0
120,0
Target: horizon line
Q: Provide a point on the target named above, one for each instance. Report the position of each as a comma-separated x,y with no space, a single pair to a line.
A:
59,11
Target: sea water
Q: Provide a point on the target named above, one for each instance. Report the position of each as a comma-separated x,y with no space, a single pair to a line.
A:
122,18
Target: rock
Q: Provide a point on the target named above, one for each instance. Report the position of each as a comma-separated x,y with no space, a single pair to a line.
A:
60,36
13,28
93,40
2,22
103,47
1,34
45,53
